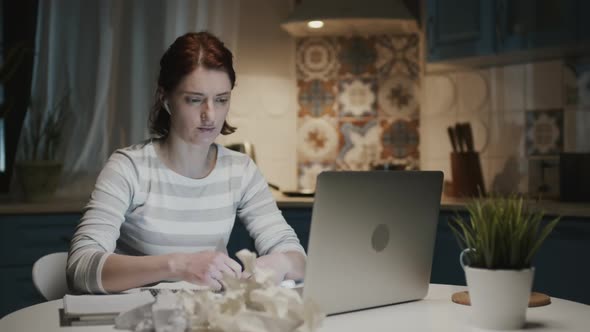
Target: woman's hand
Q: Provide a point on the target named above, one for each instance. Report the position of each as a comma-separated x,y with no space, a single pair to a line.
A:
277,262
204,268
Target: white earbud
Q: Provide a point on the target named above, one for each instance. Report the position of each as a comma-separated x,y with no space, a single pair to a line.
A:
167,108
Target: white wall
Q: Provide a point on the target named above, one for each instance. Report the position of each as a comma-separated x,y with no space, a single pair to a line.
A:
264,99
496,101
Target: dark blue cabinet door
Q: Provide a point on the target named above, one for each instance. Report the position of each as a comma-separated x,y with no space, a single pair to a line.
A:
561,267
18,291
583,21
534,24
298,218
460,28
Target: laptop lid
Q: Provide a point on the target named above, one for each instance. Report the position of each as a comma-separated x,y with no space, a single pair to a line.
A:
372,238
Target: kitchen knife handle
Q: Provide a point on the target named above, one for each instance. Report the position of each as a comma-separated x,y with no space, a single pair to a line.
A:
451,133
469,137
459,137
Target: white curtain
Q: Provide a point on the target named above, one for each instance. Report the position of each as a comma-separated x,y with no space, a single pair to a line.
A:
106,54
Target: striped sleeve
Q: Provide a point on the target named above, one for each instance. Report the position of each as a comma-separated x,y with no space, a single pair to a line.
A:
96,235
262,218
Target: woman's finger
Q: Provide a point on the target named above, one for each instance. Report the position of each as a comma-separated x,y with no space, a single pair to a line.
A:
215,274
225,269
234,266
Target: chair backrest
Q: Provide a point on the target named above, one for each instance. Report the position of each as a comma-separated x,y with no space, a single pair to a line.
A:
244,147
49,275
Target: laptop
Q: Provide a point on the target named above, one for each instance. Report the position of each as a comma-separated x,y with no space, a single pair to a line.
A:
372,238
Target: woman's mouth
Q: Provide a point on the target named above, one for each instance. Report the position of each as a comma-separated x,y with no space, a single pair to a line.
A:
206,129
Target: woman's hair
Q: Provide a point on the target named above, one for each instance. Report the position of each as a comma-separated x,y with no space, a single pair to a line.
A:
192,50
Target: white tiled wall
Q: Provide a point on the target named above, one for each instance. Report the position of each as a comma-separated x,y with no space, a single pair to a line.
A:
494,101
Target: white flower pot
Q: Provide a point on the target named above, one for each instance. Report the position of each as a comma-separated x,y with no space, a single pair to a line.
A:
499,298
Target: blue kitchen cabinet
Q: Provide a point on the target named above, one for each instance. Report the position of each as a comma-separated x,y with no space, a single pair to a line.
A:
535,24
298,218
23,240
584,21
561,268
459,28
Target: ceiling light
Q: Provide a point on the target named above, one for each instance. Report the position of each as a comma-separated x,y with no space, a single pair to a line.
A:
350,17
315,24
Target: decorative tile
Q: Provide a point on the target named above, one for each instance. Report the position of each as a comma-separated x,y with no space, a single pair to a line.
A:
398,97
472,91
544,132
357,98
397,54
351,91
357,56
439,95
400,140
308,173
316,98
317,140
576,78
362,145
316,59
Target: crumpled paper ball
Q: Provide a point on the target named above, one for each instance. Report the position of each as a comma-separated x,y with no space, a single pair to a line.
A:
254,304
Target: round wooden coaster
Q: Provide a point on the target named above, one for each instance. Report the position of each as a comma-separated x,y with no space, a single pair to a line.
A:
536,299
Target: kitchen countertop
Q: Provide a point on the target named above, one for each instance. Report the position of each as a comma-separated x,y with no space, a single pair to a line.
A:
69,205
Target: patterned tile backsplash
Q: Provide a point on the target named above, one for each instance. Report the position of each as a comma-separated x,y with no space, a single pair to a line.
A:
362,102
359,103
544,132
523,116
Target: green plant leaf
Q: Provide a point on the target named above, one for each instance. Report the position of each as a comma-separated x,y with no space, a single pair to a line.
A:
502,231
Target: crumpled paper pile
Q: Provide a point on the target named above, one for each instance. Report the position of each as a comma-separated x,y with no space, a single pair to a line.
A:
254,304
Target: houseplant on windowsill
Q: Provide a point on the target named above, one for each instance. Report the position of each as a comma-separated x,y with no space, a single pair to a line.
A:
499,241
39,170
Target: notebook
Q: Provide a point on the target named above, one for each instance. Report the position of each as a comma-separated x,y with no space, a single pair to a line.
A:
96,309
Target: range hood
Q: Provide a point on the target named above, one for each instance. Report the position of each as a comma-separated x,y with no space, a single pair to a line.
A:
349,17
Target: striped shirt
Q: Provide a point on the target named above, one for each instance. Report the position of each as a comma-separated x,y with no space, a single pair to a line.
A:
141,207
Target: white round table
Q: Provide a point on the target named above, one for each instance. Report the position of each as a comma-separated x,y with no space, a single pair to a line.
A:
434,313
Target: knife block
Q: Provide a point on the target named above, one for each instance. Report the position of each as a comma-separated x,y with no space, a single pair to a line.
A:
467,174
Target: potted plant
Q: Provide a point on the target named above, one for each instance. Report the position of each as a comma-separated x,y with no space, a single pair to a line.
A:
499,241
39,170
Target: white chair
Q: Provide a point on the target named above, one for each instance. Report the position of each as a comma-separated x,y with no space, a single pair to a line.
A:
49,275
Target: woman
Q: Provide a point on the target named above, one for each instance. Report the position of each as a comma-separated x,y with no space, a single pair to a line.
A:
162,210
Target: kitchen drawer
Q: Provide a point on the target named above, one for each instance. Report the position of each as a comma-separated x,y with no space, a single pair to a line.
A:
25,238
17,289
300,220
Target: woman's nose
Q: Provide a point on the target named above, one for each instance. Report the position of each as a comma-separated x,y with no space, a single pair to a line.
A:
207,112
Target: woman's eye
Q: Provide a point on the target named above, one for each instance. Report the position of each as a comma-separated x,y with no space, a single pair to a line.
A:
194,100
222,100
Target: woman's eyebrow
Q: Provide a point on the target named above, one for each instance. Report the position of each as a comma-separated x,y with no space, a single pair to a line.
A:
202,94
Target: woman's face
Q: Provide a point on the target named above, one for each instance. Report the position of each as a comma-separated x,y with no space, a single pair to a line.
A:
199,105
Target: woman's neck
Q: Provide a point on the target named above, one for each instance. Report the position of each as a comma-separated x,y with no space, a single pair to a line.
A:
189,160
